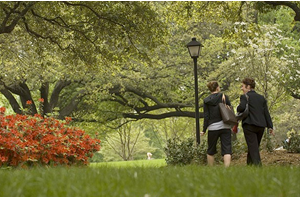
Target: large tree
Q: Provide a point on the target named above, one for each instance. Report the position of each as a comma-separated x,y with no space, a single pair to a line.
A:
48,46
101,51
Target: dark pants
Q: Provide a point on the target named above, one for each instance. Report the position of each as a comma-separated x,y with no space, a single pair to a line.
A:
253,136
225,136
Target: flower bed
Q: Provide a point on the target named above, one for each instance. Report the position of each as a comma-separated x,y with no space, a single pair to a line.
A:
34,140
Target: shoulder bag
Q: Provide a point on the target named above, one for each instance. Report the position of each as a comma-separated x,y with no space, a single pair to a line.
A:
227,113
242,115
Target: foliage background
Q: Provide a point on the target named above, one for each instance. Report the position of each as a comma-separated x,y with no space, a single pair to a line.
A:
122,68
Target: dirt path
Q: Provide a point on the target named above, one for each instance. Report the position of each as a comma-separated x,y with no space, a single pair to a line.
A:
273,158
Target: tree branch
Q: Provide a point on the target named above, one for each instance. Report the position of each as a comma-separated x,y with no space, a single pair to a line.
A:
289,4
56,91
5,28
12,101
72,105
161,116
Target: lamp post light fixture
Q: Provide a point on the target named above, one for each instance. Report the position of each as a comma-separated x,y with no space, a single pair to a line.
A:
194,48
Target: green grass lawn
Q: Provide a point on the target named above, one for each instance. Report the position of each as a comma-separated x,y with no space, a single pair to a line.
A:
151,178
136,163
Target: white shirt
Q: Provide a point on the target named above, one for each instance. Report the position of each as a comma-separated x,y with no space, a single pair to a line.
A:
218,126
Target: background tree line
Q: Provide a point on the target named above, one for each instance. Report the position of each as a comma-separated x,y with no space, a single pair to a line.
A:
108,63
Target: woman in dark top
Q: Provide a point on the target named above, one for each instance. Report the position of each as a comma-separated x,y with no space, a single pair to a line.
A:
254,124
215,125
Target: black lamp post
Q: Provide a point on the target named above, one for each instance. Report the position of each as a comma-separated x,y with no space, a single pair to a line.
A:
194,50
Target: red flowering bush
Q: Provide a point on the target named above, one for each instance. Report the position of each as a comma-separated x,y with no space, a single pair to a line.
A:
31,140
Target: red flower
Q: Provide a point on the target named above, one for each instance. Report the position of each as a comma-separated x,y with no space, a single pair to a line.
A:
28,102
68,119
2,110
41,100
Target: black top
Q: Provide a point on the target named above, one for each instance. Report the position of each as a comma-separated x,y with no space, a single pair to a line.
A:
258,110
211,109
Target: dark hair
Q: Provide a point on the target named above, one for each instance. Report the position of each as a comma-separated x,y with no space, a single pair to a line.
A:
212,86
249,81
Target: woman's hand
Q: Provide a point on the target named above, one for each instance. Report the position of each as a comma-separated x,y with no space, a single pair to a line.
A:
202,133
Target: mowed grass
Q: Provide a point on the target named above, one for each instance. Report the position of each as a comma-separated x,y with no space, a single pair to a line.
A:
151,178
136,163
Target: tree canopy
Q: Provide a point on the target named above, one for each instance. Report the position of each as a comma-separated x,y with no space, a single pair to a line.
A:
100,61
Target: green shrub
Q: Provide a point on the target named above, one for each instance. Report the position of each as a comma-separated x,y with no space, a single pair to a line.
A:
238,148
185,152
293,144
268,143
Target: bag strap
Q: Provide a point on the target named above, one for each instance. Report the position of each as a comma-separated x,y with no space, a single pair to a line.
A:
223,99
247,97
